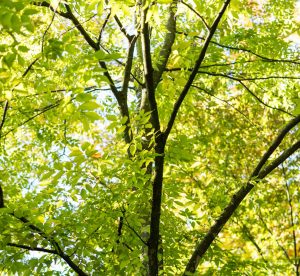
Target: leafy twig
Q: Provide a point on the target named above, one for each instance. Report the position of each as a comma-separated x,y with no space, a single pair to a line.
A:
80,28
135,232
272,235
195,70
46,4
122,101
225,101
45,109
264,58
197,13
251,238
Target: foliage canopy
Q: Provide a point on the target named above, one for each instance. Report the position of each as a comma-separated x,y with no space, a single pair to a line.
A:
149,137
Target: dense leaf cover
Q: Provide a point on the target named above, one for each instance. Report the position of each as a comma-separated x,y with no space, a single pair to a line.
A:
149,137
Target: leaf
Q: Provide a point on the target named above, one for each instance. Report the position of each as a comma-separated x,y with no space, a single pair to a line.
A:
132,149
41,219
5,19
30,11
101,55
59,204
97,155
84,97
90,105
23,48
75,152
92,116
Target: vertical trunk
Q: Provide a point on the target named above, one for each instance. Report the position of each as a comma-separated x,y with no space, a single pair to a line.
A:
153,243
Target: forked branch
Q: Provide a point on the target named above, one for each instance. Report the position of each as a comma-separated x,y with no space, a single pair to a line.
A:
57,249
257,175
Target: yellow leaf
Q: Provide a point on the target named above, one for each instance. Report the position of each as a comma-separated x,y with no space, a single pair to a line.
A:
97,155
59,203
41,219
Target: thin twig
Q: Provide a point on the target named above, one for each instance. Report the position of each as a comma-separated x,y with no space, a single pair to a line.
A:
72,28
264,58
292,221
136,233
246,87
48,27
272,235
45,109
3,116
224,101
53,242
103,27
197,13
39,249
30,67
263,103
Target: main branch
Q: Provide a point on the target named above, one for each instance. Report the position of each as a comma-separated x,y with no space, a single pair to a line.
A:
148,70
168,43
257,175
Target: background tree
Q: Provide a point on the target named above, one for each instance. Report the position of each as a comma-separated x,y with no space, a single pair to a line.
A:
132,131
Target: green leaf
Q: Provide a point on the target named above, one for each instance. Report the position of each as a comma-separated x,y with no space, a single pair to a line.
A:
6,19
92,116
132,149
101,55
89,106
30,11
75,152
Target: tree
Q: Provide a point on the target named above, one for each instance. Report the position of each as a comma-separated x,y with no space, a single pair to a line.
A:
149,137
